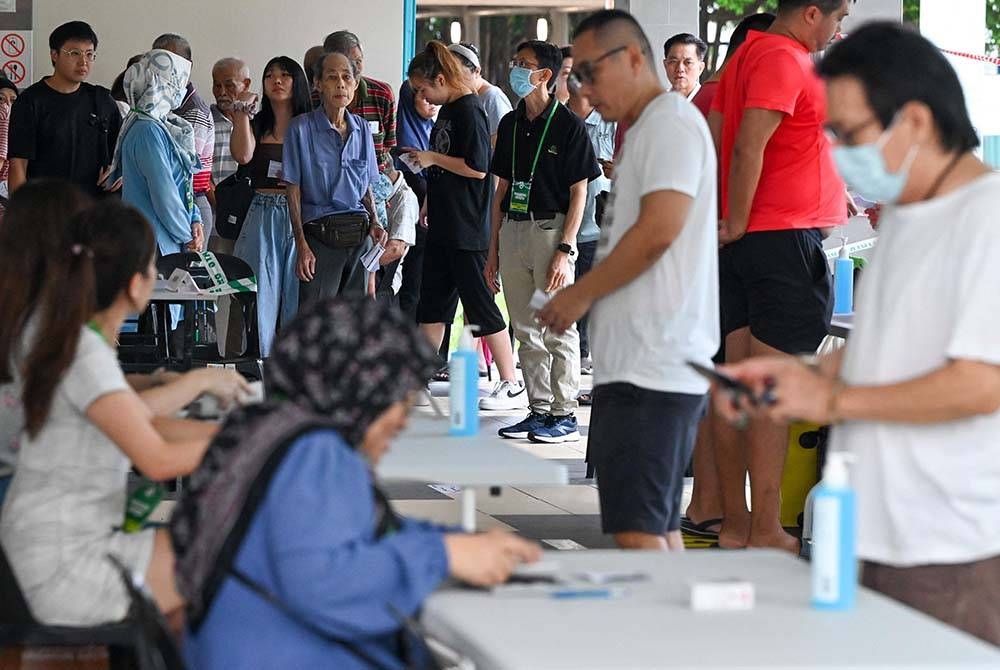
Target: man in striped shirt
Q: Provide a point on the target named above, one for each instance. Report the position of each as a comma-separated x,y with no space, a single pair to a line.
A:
195,111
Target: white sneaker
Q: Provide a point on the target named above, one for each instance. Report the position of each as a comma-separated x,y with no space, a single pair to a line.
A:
505,395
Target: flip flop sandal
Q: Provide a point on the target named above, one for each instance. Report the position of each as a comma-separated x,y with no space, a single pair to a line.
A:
702,529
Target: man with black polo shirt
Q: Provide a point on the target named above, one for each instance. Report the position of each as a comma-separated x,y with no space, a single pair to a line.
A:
62,126
543,159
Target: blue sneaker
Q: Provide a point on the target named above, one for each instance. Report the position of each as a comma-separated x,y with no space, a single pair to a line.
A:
522,430
557,429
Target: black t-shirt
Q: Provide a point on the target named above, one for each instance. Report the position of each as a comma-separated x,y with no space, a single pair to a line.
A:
66,135
458,208
567,156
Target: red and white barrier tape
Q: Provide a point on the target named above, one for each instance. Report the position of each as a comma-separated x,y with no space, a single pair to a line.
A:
979,57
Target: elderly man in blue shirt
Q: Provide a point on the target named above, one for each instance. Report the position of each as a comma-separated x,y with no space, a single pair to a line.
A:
330,164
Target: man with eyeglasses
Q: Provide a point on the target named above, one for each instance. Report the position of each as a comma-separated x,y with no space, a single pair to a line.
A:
653,291
543,160
62,126
684,63
780,192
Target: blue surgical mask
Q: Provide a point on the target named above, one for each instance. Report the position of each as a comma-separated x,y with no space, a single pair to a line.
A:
863,168
520,81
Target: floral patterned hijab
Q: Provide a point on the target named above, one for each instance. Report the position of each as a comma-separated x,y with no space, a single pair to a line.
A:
155,85
340,364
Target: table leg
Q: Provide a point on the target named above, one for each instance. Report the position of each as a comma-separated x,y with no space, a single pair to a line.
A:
469,509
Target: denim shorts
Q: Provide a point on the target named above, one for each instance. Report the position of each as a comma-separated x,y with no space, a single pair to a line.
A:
640,443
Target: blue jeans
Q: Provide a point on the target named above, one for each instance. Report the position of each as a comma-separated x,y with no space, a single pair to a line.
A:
267,244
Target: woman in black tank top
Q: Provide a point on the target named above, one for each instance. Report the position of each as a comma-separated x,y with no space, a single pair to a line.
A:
266,241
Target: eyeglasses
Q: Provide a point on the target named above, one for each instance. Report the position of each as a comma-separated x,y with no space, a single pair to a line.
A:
584,73
524,64
75,54
846,137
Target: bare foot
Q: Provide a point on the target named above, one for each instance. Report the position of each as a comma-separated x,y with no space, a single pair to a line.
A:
775,540
734,532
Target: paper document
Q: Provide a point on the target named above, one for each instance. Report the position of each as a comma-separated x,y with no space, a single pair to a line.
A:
370,259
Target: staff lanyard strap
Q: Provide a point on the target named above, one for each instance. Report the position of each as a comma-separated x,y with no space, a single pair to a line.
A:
538,151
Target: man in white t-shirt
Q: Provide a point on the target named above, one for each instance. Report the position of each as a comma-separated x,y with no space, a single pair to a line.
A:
915,395
653,292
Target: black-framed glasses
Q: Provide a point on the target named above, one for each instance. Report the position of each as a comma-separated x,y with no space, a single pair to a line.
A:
846,137
584,73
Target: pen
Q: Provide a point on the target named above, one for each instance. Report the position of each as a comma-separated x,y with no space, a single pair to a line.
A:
585,594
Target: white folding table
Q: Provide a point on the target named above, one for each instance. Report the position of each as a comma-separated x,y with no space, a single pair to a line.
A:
653,626
426,453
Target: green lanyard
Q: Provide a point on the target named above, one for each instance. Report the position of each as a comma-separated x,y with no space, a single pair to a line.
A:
538,151
94,327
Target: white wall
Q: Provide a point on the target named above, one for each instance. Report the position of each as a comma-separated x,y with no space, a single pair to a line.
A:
661,19
255,30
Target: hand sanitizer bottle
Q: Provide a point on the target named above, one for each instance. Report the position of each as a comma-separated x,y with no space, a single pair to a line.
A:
843,281
834,560
463,375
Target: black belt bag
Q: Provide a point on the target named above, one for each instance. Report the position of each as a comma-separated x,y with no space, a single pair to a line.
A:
339,231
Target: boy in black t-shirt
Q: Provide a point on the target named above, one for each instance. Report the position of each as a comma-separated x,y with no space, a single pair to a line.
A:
62,126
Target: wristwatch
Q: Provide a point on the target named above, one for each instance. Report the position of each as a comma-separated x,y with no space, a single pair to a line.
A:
566,249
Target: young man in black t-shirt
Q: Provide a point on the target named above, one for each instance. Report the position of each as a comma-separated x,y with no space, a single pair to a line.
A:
544,160
62,126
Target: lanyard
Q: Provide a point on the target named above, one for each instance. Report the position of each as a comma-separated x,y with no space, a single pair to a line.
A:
538,151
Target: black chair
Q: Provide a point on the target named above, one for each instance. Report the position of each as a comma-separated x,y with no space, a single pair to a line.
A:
195,344
155,648
18,627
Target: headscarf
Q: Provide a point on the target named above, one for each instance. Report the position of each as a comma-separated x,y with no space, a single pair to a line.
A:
412,130
154,86
340,364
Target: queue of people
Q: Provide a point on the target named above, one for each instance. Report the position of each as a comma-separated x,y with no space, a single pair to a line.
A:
643,265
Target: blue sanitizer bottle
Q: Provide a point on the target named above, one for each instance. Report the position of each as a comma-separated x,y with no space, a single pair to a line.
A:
834,560
463,373
843,281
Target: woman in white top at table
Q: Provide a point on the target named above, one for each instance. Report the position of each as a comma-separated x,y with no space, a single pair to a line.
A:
916,393
85,427
32,245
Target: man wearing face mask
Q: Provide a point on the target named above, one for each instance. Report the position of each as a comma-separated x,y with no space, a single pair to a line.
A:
915,393
543,159
780,189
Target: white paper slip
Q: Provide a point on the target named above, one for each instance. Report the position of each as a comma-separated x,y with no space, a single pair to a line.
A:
370,259
539,299
411,163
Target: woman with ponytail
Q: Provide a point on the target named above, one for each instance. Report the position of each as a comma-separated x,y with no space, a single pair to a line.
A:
457,210
85,426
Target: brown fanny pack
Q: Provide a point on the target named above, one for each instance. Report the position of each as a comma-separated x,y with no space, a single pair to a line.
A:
339,231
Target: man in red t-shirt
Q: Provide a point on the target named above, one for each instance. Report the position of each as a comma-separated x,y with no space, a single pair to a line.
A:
780,189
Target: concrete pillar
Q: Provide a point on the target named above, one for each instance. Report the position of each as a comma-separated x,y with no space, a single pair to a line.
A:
662,19
873,10
961,26
559,28
470,27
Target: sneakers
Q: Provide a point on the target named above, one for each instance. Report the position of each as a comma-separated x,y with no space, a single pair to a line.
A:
557,429
520,431
505,395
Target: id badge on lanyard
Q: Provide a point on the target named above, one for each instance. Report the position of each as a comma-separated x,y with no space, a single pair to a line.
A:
520,191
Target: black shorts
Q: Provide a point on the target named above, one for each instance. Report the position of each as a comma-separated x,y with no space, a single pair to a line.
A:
778,283
640,443
450,274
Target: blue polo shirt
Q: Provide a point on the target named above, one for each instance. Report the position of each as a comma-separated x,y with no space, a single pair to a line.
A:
333,174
